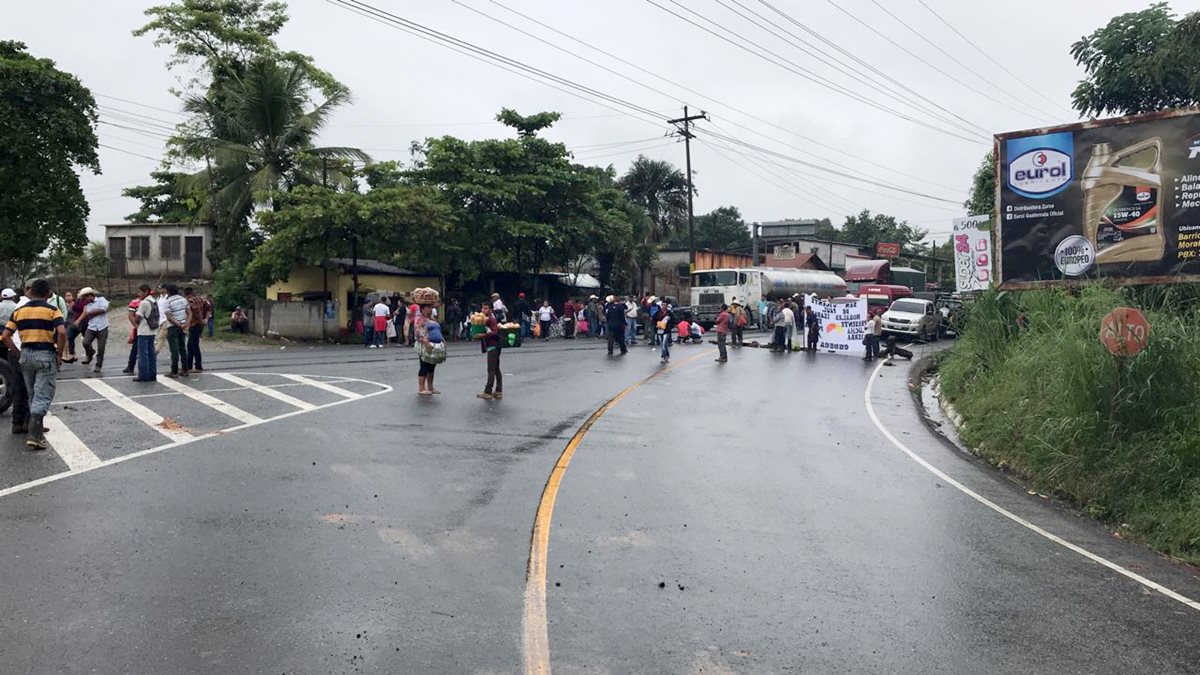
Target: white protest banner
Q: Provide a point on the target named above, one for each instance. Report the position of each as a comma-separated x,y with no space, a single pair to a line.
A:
972,254
843,324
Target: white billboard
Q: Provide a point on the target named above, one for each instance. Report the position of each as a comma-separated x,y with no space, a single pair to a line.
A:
972,254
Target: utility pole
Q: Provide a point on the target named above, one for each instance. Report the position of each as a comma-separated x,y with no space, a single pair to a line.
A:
687,144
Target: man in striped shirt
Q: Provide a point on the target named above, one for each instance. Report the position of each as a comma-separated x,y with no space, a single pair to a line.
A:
41,329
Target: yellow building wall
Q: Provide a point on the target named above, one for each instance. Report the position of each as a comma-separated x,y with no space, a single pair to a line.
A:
304,279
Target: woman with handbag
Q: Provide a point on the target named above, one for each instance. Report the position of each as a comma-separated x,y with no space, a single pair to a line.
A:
431,349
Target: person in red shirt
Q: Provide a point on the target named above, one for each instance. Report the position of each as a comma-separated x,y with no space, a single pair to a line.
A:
490,344
684,330
722,333
568,319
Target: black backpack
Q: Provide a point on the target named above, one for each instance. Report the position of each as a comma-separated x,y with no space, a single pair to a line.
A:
153,319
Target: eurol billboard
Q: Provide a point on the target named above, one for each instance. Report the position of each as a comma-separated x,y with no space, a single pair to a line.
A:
1106,199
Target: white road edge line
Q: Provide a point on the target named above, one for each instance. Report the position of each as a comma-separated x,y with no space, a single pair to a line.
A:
1009,514
211,401
345,393
144,414
384,389
267,391
73,451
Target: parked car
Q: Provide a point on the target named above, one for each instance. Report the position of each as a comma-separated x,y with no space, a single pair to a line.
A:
913,318
881,296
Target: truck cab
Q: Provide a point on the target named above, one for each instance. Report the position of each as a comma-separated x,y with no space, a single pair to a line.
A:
881,296
912,318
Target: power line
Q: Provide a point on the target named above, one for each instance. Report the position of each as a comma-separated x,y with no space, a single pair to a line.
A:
848,70
842,174
626,151
943,52
538,75
729,106
801,71
770,157
144,105
127,152
918,57
835,46
998,64
777,182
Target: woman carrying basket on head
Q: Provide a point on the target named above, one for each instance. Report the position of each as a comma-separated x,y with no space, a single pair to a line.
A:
428,341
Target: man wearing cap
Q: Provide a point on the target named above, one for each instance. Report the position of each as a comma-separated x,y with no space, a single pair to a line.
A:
498,308
93,323
614,319
524,315
42,332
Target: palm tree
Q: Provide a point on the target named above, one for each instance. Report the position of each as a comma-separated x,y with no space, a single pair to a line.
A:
256,141
661,189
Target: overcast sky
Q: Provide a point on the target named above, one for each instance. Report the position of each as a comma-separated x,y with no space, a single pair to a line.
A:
406,88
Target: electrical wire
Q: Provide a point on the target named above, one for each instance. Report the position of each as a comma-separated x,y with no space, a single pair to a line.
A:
947,54
768,156
833,172
801,71
777,182
841,151
831,61
850,55
129,152
491,57
918,57
624,152
998,64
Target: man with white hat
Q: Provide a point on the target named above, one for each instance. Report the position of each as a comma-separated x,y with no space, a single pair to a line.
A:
93,322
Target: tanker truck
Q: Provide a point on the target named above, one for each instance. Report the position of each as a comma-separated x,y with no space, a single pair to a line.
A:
750,285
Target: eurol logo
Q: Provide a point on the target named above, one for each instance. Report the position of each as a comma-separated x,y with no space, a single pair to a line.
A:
1143,194
1040,166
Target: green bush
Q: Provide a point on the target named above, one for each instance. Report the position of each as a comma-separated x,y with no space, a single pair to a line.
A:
1050,404
231,287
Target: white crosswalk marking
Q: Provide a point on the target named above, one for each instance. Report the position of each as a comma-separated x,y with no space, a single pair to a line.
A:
151,418
68,446
211,401
345,393
267,391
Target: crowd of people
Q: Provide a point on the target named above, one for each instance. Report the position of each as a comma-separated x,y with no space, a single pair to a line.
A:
41,330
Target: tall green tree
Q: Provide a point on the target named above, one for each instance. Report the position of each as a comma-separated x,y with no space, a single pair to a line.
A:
165,201
216,40
982,197
256,139
521,202
870,229
660,188
1139,62
722,229
47,130
312,223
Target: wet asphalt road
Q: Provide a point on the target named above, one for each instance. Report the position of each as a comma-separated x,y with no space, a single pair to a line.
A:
391,533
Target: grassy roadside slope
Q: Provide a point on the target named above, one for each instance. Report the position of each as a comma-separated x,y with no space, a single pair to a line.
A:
1048,404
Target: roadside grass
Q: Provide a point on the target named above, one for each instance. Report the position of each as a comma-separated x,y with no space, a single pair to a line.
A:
1051,405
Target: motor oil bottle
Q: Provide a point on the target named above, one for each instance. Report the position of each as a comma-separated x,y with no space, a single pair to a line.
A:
1122,197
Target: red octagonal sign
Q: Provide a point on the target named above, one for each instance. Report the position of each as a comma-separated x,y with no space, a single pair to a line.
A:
1124,331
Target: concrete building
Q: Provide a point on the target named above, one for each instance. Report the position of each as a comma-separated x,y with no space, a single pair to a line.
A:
333,281
167,250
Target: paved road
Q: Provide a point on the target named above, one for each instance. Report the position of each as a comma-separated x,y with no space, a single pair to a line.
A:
304,511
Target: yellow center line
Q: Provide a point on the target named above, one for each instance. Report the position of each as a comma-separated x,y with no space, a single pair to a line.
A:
534,624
